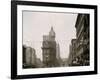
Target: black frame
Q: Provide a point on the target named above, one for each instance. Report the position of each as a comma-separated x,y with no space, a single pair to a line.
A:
14,39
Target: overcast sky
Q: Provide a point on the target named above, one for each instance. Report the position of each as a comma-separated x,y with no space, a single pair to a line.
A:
37,24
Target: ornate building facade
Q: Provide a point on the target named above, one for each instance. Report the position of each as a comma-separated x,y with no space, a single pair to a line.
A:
82,47
29,57
83,39
72,51
49,49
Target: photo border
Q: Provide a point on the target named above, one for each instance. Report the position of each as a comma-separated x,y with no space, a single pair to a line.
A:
14,39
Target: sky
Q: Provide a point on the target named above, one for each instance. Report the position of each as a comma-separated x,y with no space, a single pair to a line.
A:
37,24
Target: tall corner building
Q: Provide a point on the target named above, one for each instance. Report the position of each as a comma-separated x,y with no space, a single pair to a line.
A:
49,49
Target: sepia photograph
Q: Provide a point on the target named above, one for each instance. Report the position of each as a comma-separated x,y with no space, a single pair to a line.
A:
53,39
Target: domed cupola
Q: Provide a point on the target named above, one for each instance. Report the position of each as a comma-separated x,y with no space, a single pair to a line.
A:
52,33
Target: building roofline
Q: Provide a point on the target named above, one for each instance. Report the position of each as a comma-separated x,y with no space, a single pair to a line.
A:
78,19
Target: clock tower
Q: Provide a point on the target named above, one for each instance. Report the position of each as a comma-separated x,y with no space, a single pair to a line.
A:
52,34
49,49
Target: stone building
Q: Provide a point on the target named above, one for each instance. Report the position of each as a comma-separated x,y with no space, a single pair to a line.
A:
59,61
29,57
72,51
82,48
49,49
33,57
70,55
23,55
82,35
